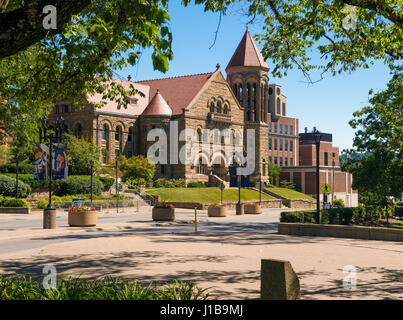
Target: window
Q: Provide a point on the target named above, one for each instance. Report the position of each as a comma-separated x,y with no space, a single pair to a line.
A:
65,108
118,133
275,144
281,161
283,109
270,159
278,105
291,143
275,160
212,107
286,162
286,129
291,130
281,145
326,159
225,109
286,145
275,127
162,169
78,130
281,128
270,143
269,126
104,132
218,108
130,135
291,162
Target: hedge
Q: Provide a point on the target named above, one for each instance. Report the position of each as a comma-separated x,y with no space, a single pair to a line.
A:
8,184
13,202
22,168
343,216
29,179
77,184
169,183
196,185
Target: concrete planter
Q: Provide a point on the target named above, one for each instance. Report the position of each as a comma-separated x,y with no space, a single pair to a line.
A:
82,219
252,209
15,210
163,214
217,211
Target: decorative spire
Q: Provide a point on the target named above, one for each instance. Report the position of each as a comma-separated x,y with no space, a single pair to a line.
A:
247,54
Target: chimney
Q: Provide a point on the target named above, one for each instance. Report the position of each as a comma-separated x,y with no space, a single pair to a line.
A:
306,129
129,77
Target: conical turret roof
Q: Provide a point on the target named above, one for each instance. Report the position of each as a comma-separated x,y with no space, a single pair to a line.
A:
157,107
247,54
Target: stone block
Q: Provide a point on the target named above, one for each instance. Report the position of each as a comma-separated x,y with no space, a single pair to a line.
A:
278,281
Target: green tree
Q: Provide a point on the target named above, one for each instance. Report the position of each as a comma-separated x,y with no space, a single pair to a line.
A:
347,34
274,172
133,168
80,152
379,134
93,39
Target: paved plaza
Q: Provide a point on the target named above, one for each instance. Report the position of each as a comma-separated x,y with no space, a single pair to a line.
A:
224,255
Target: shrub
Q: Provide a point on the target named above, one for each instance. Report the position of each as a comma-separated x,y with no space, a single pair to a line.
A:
339,203
196,185
287,184
42,203
134,183
179,183
22,168
7,187
169,184
307,216
159,183
13,202
76,185
107,182
18,287
118,196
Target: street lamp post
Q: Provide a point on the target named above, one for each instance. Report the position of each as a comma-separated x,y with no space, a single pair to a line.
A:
49,218
333,163
317,137
92,173
117,184
239,205
17,159
260,188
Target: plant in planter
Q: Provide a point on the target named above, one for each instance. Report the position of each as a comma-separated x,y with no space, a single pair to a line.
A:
253,208
163,212
217,210
82,217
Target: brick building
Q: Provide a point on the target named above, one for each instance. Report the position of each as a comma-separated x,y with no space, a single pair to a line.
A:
244,100
304,175
202,101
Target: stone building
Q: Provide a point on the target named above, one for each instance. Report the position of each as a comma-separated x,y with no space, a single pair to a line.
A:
202,101
244,100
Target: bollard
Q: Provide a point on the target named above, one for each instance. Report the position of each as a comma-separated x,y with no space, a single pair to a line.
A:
278,281
239,208
195,219
49,218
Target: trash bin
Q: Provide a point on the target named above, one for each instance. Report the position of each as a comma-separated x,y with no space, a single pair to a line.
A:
77,202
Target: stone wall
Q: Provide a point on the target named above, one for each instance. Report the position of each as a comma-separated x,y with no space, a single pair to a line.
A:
339,231
299,203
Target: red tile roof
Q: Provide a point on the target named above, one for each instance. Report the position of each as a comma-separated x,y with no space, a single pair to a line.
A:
178,91
247,54
157,107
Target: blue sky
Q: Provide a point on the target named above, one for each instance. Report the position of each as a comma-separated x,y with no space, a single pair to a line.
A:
328,104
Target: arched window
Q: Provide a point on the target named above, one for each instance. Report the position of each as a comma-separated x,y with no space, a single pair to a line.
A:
105,132
212,107
278,106
218,108
118,133
225,111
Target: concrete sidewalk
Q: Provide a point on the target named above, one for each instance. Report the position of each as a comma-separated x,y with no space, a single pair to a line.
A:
224,255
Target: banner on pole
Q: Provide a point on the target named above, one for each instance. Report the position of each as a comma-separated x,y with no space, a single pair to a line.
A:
41,162
59,165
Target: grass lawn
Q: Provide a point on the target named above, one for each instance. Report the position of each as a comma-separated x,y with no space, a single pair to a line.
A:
290,194
397,225
205,195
